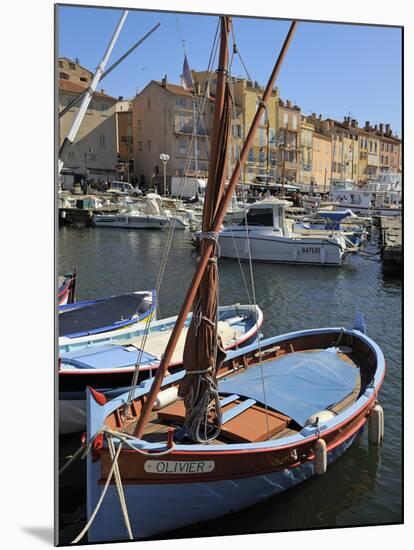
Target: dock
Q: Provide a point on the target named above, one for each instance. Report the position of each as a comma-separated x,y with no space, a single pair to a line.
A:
391,241
83,216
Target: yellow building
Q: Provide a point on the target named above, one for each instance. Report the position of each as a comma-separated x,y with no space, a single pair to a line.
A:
247,94
345,145
288,142
321,162
363,137
125,143
306,147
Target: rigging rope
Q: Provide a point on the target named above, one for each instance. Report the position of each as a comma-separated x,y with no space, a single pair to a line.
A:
249,247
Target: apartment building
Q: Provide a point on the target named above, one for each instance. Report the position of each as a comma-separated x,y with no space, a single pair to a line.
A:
363,139
166,118
390,149
246,96
288,142
124,139
74,72
306,148
345,145
93,155
321,162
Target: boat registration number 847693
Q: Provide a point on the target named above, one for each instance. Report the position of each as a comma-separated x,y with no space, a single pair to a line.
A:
310,250
179,466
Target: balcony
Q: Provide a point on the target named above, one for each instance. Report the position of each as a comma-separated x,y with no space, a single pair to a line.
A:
189,131
373,160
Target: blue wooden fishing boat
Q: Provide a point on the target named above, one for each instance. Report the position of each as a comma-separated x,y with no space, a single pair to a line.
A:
109,360
66,288
321,389
89,317
235,428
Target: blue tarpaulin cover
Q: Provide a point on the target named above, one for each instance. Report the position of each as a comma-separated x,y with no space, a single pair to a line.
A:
106,357
298,385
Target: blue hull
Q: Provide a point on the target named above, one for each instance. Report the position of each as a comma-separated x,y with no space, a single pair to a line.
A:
159,508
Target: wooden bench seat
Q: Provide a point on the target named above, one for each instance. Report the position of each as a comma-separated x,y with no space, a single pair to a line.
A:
243,421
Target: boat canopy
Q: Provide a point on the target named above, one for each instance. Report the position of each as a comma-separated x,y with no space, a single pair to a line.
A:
108,356
82,319
297,385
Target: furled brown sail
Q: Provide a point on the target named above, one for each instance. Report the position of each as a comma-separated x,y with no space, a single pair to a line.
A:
203,352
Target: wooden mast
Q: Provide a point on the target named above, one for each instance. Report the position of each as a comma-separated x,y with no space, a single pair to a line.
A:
209,244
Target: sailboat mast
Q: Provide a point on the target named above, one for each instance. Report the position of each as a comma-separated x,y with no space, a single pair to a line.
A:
195,139
208,245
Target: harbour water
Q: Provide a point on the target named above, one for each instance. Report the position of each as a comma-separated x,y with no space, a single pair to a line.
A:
364,487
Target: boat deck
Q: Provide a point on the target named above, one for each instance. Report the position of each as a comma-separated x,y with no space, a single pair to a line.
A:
156,342
246,420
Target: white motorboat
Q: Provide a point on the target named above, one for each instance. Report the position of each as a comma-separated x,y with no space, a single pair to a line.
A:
269,236
381,197
173,210
149,214
131,220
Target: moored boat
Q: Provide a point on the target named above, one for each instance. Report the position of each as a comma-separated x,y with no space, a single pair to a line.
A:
104,315
66,288
321,390
109,360
267,235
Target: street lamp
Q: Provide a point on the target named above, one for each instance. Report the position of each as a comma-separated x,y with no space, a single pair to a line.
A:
86,170
164,158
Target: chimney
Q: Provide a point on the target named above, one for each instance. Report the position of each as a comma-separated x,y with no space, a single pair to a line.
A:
164,82
288,103
77,60
367,126
388,131
376,127
381,127
320,117
354,123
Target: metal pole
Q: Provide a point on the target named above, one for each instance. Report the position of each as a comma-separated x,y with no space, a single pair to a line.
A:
88,96
208,244
268,150
195,139
165,179
284,160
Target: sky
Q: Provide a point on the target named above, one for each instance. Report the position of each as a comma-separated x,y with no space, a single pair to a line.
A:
331,69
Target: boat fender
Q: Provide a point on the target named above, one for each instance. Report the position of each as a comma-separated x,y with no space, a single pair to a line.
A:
322,416
166,397
321,456
376,425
